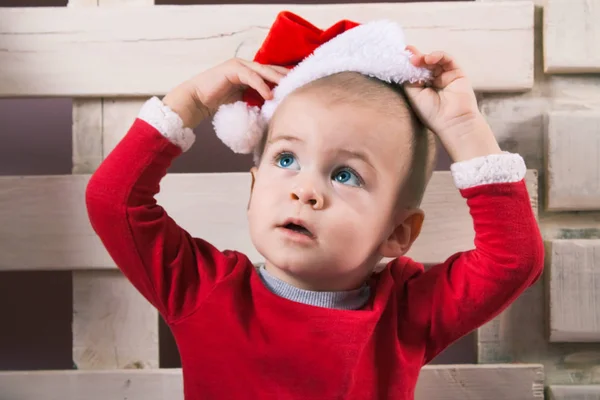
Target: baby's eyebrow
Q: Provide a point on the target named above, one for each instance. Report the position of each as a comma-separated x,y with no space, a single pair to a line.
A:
289,138
359,155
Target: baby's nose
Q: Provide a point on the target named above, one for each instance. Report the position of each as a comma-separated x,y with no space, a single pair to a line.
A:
307,194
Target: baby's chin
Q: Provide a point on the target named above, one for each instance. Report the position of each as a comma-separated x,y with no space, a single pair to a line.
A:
315,273
300,266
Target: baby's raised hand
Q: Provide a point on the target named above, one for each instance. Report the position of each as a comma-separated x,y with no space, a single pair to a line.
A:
200,96
448,107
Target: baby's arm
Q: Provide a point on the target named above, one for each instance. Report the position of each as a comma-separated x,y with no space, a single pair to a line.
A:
470,288
170,268
174,271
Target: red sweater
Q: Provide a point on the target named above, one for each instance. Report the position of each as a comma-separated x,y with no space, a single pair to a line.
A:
237,340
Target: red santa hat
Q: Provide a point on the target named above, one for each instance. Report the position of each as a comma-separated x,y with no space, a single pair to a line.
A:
376,49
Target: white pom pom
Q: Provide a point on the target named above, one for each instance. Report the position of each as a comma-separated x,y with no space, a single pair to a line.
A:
238,126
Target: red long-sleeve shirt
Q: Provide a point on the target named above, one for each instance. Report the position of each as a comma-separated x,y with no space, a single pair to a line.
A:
237,340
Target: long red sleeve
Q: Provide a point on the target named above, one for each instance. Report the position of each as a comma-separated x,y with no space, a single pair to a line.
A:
174,271
470,288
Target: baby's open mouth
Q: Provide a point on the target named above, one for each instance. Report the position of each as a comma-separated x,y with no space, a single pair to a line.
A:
298,228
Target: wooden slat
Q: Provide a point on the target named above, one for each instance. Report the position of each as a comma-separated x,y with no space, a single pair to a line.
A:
87,135
48,214
99,52
572,36
574,290
489,382
560,392
119,114
452,382
572,144
113,325
520,335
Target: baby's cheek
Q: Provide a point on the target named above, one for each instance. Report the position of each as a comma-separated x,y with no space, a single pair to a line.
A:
351,239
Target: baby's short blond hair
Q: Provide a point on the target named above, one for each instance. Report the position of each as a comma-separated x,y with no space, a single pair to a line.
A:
392,101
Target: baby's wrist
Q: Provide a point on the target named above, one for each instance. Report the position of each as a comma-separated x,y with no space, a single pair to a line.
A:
182,100
470,140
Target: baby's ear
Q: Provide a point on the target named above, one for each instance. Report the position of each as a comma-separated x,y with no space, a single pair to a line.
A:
406,230
253,174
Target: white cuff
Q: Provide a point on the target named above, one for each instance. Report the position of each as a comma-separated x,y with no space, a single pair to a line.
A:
168,123
495,168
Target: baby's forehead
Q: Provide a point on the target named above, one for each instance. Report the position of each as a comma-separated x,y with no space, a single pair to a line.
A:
343,129
359,120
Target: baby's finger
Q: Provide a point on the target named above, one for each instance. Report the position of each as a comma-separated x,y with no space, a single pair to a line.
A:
280,69
265,71
251,78
417,56
447,77
442,59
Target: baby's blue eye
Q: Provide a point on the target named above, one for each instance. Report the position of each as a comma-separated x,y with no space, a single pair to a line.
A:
347,177
286,160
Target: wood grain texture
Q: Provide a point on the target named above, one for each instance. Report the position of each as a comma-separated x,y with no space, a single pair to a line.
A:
564,392
114,327
452,382
79,46
118,116
45,222
574,290
572,145
87,135
519,335
572,36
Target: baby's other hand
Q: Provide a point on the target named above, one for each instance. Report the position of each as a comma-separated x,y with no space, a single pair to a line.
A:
201,96
448,107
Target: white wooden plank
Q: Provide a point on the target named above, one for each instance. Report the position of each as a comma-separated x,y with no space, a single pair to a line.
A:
520,335
452,382
572,36
82,3
87,135
574,289
92,385
572,145
490,382
98,52
48,214
114,327
564,392
119,114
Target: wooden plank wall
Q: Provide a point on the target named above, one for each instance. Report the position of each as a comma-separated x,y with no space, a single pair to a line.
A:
506,47
113,325
211,206
572,145
170,44
552,126
454,382
574,392
574,290
571,47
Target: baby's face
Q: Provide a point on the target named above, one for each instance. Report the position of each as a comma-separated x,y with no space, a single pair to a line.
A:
326,189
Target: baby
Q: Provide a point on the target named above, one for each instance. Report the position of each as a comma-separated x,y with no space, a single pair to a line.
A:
342,159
